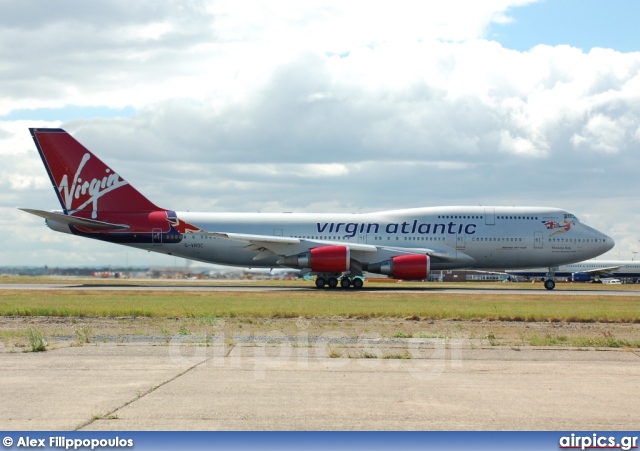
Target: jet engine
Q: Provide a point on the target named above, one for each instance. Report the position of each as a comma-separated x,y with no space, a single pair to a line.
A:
581,277
408,267
325,259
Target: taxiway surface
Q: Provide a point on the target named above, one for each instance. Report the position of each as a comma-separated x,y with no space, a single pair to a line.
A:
284,386
218,383
257,287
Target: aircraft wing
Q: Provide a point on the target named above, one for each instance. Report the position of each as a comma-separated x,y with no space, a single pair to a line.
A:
433,253
497,273
75,221
267,245
254,238
603,272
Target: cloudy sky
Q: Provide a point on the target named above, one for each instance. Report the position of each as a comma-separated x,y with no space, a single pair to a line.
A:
322,106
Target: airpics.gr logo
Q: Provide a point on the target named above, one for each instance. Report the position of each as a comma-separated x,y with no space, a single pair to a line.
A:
95,188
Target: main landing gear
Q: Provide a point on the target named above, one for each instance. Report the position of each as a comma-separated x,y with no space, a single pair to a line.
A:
332,281
549,283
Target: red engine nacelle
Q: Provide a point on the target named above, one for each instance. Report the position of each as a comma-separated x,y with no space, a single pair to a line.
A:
321,259
408,267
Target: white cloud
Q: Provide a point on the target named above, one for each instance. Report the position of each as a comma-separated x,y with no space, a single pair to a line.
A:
601,134
321,105
155,31
519,146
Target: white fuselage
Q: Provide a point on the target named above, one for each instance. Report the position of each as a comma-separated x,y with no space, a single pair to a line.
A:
599,269
455,237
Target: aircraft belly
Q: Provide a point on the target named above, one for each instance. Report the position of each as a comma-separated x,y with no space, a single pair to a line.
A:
210,251
497,257
226,253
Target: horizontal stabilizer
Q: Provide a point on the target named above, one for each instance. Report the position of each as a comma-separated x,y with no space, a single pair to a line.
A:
73,220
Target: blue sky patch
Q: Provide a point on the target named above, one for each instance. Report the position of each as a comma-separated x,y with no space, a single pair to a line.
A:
68,113
579,23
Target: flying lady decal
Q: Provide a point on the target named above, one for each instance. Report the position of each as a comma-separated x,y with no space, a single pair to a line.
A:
568,221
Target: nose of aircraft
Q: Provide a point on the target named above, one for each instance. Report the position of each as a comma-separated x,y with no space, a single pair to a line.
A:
603,242
608,242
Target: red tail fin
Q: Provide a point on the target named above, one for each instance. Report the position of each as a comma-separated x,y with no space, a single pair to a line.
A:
84,184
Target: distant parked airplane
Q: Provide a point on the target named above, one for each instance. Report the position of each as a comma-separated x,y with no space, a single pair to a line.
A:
587,271
97,203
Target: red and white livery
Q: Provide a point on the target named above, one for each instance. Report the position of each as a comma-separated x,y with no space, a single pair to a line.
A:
338,248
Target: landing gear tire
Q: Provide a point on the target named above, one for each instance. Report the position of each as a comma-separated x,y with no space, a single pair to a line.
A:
333,282
549,284
345,282
357,283
321,282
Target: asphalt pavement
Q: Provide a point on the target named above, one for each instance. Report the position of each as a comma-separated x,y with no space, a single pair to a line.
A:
192,383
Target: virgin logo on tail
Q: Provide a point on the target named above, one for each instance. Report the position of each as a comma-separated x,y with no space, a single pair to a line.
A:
95,188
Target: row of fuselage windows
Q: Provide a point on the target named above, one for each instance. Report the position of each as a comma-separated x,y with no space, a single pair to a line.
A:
529,218
442,238
459,217
599,266
375,238
406,238
576,240
397,238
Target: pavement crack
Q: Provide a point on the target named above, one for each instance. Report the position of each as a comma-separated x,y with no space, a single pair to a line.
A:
112,413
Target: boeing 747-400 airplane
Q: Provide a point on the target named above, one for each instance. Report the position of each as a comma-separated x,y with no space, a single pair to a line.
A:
406,244
587,271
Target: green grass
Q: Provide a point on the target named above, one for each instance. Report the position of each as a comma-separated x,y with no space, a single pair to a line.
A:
83,334
402,356
211,305
402,335
373,282
583,342
37,340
